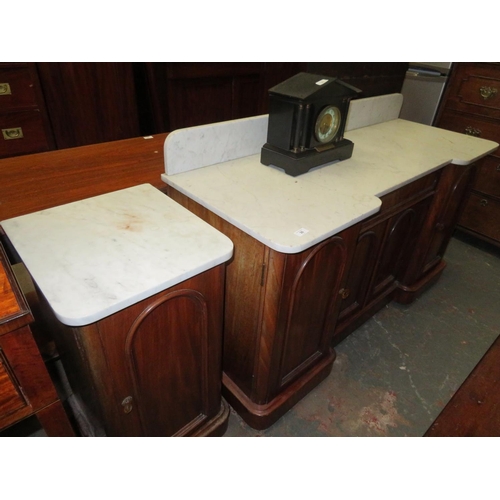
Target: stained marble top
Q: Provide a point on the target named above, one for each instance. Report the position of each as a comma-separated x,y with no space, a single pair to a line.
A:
94,257
291,214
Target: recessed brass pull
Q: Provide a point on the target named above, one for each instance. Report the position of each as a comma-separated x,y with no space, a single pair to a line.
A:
344,293
475,132
498,168
12,133
488,92
483,202
5,89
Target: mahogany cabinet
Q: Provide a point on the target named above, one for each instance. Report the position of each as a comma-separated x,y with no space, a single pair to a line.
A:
471,105
280,311
154,368
385,247
285,311
24,123
26,388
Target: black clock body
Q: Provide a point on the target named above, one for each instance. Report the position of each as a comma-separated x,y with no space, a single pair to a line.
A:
307,117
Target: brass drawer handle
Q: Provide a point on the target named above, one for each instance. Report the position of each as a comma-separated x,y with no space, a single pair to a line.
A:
5,89
12,133
498,168
475,132
483,202
344,293
488,92
127,404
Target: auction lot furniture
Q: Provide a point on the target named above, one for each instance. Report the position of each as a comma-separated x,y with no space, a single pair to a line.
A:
316,255
133,291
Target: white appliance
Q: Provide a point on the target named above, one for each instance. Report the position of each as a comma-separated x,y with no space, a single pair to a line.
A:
422,90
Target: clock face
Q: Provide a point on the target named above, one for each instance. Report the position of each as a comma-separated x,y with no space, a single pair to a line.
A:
327,124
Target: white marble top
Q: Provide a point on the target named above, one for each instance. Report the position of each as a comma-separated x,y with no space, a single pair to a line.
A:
196,147
97,256
290,214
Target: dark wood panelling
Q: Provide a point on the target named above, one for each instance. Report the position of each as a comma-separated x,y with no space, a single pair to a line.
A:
372,78
90,103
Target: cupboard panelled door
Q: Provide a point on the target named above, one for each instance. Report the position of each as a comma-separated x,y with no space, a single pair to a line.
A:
168,357
402,230
309,306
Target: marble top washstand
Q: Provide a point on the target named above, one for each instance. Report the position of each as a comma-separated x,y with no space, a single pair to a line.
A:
290,214
97,256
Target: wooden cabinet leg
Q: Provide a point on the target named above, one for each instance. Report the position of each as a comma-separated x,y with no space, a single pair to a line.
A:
55,421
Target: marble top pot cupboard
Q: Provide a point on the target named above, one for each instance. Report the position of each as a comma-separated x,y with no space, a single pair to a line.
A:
301,261
133,285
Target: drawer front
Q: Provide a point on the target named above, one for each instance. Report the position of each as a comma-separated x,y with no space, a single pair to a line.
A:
476,89
471,125
482,214
488,176
22,133
16,89
11,399
403,197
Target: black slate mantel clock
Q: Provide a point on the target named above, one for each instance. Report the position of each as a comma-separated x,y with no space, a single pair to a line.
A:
307,117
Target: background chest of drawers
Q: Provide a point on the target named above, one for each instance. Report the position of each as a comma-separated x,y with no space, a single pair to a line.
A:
23,119
471,105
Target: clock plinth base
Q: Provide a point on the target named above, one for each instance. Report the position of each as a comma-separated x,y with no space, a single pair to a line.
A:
299,163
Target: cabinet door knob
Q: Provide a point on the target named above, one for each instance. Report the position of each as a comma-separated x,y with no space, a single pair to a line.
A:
5,89
488,92
127,404
483,202
12,133
344,293
475,132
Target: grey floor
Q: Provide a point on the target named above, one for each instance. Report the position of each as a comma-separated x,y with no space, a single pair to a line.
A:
395,373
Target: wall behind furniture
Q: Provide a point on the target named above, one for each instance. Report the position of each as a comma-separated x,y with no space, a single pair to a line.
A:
79,103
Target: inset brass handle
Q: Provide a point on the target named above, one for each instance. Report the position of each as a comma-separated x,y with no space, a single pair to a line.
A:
5,89
127,404
475,132
439,226
483,202
488,92
12,133
344,293
498,168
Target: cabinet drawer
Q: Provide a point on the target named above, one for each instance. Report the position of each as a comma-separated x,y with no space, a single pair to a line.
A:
482,214
488,176
471,125
27,132
476,89
16,89
402,197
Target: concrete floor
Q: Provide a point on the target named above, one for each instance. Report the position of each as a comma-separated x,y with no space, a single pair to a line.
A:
395,373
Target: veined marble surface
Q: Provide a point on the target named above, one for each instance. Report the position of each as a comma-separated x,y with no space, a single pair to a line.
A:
373,110
97,256
290,214
196,147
